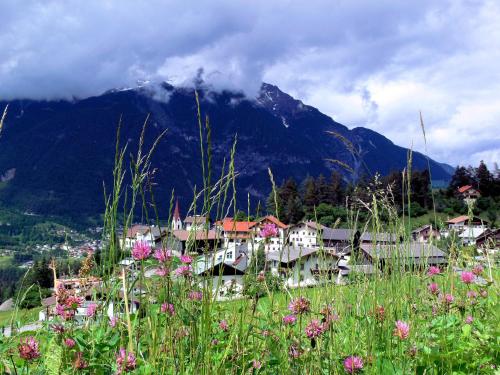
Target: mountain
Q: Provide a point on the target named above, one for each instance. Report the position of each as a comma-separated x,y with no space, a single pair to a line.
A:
56,155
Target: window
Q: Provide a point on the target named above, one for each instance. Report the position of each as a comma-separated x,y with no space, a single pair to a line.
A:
229,255
302,264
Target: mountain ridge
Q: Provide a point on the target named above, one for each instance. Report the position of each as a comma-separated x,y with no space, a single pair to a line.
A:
45,142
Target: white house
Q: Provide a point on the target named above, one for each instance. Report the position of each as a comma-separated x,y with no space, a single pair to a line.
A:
274,243
301,266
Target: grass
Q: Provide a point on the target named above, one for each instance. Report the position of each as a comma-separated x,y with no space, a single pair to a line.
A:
6,260
23,316
181,329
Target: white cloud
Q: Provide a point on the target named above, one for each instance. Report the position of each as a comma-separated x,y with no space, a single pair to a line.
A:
365,63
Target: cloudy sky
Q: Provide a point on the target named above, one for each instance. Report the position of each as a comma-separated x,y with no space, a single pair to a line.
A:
364,63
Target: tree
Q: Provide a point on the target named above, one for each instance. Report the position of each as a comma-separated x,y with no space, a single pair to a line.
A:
310,194
336,194
461,177
485,180
322,189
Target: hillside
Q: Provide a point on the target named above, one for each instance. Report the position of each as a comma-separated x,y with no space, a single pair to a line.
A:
55,155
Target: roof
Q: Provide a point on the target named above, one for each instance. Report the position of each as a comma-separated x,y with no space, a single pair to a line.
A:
197,219
463,218
237,226
290,254
177,214
463,189
422,228
404,250
135,229
472,232
199,235
273,220
310,224
204,264
379,237
336,234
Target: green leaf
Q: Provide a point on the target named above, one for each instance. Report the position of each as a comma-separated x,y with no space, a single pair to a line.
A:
53,358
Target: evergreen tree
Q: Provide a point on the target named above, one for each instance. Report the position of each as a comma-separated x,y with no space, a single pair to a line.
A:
310,194
322,189
484,180
461,177
335,189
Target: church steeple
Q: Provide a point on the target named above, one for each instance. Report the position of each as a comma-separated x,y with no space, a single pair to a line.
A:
176,219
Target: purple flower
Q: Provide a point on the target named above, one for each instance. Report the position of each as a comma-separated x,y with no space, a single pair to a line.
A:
162,271
299,305
483,293
448,298
91,310
289,320
223,325
402,330
469,320
195,295
256,364
69,342
168,308
112,321
141,250
433,270
28,349
294,351
477,270
79,362
433,288
162,255
125,362
467,277
353,364
314,329
186,259
183,271
269,230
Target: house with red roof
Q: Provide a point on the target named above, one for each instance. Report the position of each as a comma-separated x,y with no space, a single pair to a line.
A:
462,222
468,193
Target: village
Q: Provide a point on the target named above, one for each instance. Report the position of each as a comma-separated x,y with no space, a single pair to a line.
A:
305,254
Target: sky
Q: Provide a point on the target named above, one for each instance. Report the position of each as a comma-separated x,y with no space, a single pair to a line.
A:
367,63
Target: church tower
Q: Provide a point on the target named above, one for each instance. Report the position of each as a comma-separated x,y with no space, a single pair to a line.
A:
176,219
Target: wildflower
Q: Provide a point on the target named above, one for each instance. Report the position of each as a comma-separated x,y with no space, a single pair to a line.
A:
434,311
183,271
289,320
483,293
261,276
472,295
380,313
448,299
269,230
195,295
256,364
141,250
223,325
125,361
433,288
80,363
69,342
162,271
467,277
294,351
469,320
477,270
299,305
215,342
28,349
412,351
353,364
162,255
314,329
112,321
433,270
58,328
186,259
402,330
91,310
168,308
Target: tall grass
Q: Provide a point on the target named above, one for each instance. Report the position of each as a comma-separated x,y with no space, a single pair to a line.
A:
201,335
